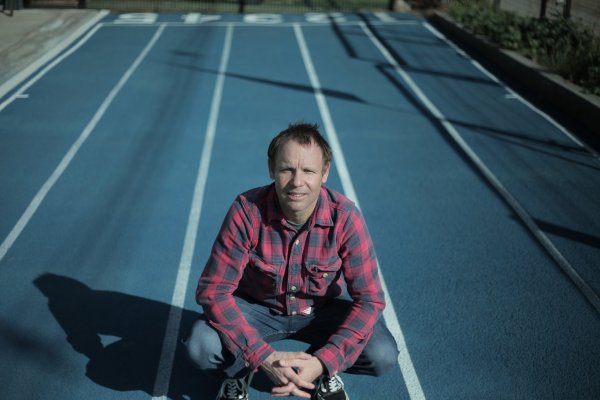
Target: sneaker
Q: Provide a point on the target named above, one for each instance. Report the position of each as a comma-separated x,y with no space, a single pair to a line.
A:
330,389
235,389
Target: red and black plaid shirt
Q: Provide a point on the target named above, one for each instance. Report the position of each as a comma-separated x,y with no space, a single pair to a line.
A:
259,255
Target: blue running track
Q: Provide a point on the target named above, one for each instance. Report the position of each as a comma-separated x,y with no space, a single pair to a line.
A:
119,158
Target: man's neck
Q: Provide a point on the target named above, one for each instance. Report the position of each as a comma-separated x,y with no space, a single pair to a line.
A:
296,225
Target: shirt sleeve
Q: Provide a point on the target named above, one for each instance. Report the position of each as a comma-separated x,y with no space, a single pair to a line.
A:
220,277
359,266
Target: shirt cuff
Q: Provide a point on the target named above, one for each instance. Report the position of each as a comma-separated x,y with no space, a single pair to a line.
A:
330,360
255,359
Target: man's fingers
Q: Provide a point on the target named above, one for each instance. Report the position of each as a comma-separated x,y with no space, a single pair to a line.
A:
303,355
301,383
284,390
293,363
300,355
297,379
289,390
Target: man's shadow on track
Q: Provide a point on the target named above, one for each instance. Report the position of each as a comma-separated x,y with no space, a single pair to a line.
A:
122,336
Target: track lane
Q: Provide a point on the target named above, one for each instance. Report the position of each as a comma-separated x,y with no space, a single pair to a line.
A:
37,130
554,177
110,232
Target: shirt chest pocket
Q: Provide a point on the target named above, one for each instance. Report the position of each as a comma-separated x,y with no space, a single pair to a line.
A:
321,275
262,276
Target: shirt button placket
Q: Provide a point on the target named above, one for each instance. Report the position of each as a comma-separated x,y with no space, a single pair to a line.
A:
294,277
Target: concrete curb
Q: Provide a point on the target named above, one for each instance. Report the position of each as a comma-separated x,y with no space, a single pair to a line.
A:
551,88
34,37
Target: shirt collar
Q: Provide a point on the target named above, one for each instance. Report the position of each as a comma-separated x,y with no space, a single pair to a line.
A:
322,214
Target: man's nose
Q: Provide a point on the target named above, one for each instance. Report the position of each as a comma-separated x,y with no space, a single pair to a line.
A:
297,179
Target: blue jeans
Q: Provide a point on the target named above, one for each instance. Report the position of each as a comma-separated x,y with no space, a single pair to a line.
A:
206,351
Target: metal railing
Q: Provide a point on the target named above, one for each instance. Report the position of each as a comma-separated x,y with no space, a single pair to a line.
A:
216,6
9,6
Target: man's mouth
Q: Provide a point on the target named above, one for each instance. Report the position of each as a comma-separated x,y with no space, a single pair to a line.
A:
295,196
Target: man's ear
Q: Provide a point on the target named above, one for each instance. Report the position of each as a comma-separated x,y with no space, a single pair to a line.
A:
326,169
270,167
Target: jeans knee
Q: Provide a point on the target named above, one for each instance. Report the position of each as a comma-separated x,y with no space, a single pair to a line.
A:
194,352
384,360
204,347
381,351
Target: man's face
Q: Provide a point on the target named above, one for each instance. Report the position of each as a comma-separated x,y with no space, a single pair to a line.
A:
298,172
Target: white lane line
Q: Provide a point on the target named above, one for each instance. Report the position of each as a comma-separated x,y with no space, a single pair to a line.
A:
282,24
404,360
68,157
165,366
556,255
385,17
512,93
31,68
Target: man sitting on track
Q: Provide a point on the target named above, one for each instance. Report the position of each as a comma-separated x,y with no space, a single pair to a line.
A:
293,260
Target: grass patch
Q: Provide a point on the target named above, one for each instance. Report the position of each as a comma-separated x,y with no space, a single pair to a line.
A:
564,46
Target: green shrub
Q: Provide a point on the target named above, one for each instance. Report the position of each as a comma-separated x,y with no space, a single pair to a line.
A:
563,46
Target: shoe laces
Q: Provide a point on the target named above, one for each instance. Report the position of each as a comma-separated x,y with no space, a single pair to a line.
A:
331,385
234,388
